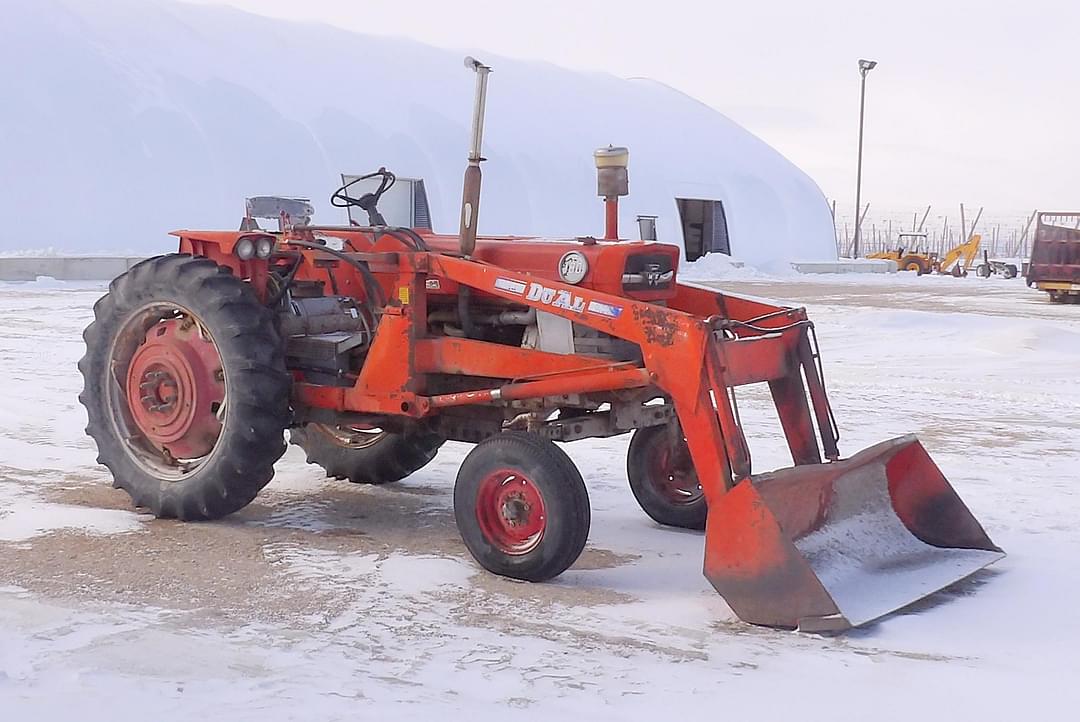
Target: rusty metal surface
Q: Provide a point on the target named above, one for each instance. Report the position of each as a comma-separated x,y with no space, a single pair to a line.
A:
825,547
608,379
1055,251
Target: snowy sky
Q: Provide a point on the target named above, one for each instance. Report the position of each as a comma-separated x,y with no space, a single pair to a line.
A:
971,102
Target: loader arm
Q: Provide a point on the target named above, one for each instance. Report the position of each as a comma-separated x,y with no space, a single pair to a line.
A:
729,340
819,546
964,253
805,547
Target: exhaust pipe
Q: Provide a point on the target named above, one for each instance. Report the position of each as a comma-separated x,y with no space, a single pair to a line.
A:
470,196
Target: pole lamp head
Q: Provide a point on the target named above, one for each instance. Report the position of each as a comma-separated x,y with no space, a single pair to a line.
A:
865,66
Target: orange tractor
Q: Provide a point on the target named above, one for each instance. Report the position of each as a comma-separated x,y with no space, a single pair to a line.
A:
373,344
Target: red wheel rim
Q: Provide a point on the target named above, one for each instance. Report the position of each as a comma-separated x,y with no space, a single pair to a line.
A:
672,473
511,511
175,389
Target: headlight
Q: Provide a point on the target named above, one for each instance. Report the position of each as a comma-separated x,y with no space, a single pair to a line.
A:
245,249
264,248
573,266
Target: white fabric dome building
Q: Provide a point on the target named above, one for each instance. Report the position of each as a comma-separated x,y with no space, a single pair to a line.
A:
134,117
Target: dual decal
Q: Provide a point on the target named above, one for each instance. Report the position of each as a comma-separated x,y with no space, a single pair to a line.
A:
534,291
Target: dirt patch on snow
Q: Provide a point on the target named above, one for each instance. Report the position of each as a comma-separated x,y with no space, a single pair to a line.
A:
224,566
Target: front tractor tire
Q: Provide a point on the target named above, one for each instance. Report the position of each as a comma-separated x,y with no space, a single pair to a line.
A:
663,479
185,388
366,456
521,507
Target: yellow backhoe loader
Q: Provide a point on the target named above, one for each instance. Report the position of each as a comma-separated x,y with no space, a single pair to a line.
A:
956,261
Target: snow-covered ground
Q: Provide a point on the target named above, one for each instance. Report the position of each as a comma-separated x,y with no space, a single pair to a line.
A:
324,600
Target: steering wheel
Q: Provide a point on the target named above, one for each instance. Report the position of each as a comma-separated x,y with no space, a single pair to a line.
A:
369,201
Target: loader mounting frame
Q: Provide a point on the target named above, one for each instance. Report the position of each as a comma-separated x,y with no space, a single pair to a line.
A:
733,341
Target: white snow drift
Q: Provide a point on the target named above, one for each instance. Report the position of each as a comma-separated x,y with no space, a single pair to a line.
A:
126,118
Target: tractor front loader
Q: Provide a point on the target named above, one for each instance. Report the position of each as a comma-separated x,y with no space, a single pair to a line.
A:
374,344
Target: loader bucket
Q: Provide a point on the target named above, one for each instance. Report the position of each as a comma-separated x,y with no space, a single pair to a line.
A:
826,547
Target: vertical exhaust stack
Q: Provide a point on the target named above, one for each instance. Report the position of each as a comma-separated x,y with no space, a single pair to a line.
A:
470,195
612,181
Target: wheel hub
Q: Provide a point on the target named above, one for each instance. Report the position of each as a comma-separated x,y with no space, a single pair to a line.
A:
515,510
675,476
158,389
176,389
511,511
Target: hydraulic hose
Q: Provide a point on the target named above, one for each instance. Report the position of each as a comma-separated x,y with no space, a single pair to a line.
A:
374,290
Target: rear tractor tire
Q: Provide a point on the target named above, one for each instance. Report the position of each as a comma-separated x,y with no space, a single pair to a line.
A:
366,456
663,479
914,263
521,507
1010,270
185,388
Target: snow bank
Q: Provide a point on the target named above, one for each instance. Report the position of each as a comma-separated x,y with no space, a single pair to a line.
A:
715,267
196,107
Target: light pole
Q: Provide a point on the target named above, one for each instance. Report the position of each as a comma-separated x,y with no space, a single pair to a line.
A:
865,66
